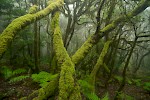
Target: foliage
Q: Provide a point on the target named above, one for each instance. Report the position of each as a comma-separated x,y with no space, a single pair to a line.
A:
123,96
105,97
6,72
5,5
43,78
146,86
137,82
13,75
18,78
85,89
119,79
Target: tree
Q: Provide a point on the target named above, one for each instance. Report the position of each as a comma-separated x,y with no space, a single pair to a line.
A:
65,84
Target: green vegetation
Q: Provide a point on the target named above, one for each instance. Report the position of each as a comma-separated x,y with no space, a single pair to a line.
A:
13,76
74,49
43,78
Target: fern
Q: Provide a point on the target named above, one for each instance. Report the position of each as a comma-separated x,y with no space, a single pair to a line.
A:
146,86
18,79
11,75
105,97
137,82
43,78
19,71
123,96
6,72
85,88
93,96
118,78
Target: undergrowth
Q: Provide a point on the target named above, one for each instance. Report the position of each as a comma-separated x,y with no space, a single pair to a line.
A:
13,76
43,78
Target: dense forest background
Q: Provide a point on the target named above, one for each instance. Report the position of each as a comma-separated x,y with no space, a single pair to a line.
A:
74,49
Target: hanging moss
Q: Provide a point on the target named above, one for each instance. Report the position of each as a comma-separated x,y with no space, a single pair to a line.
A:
66,80
98,64
23,21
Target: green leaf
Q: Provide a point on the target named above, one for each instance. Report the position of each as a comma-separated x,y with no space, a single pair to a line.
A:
106,97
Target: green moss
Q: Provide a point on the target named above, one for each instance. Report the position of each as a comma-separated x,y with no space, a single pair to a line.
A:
33,9
49,90
44,93
76,93
66,80
24,98
98,64
80,54
23,21
108,28
83,50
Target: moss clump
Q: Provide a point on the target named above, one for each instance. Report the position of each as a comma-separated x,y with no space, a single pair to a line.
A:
33,9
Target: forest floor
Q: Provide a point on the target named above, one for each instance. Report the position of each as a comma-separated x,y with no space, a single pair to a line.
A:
15,91
138,93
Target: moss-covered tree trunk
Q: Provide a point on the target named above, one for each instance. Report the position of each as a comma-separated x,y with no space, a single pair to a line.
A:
94,39
67,67
98,64
23,21
68,88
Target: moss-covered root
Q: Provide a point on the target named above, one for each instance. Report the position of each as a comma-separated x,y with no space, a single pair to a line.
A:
83,50
49,90
44,93
98,64
67,84
23,21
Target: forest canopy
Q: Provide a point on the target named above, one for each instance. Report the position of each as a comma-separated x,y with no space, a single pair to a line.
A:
74,49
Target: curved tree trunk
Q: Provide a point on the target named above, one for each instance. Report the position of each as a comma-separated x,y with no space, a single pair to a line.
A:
98,64
23,21
68,88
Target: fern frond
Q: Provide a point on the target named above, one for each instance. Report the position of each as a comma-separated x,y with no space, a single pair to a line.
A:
6,72
19,71
43,78
19,78
86,90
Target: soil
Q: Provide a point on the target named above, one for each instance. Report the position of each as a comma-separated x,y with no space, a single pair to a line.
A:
15,91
